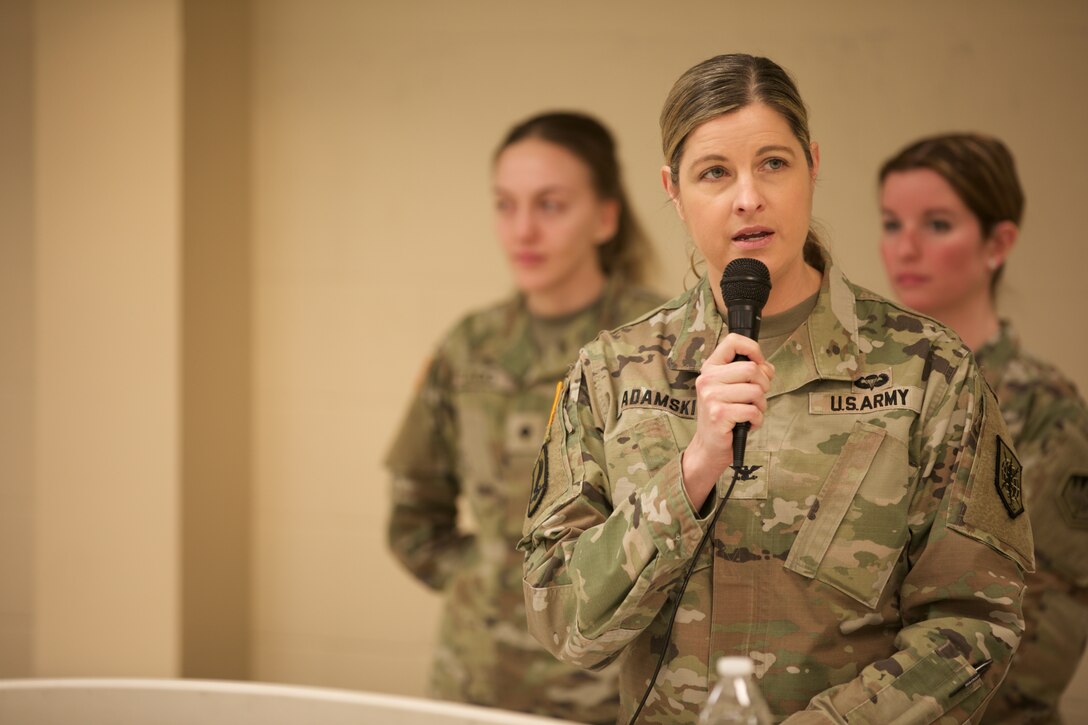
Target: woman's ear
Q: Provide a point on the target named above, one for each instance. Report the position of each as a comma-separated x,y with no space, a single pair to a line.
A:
608,220
814,150
672,190
1000,243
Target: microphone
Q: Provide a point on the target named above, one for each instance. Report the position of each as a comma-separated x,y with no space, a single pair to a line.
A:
746,284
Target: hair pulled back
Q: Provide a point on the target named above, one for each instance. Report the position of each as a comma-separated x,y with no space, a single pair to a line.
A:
628,254
727,83
979,168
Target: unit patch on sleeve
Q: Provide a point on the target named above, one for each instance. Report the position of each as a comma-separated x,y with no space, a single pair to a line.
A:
1074,500
540,481
1007,479
540,468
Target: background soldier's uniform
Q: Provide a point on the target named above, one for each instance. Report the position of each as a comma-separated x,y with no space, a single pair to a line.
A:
473,431
1049,423
870,564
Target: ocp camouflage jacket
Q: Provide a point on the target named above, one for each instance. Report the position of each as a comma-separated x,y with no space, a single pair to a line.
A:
1048,422
870,567
469,439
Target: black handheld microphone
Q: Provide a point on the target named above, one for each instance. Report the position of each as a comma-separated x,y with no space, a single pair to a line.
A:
746,285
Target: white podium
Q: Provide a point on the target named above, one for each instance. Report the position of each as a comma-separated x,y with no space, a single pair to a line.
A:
213,702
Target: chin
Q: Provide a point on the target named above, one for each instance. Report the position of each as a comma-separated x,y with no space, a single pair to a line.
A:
532,283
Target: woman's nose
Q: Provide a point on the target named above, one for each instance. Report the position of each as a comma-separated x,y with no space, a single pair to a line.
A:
524,224
749,198
906,244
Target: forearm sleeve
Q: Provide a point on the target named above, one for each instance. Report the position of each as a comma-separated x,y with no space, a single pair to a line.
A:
601,556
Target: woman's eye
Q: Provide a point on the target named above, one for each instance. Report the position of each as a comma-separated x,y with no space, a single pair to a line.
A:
776,163
551,206
940,225
714,172
891,225
503,206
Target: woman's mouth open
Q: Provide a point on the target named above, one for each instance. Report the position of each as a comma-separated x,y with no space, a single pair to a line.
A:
753,237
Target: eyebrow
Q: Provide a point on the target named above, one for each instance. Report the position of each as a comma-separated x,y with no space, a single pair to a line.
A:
766,149
550,189
927,210
759,152
930,211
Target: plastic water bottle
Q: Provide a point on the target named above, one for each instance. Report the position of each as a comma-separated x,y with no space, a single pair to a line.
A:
735,698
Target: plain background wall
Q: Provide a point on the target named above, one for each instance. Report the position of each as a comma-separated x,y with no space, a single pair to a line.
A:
90,230
330,163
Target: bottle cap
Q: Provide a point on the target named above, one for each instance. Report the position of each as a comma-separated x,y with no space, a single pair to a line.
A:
734,666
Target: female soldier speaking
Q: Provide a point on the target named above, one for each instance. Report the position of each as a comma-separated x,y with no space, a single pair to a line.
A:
868,555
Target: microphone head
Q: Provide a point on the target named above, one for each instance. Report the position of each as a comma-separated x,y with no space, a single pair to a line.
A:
746,281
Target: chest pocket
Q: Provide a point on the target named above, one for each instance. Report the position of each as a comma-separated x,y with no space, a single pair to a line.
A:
480,404
857,527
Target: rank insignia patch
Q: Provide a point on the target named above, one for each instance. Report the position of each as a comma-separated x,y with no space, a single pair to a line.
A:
1074,500
540,481
1007,479
524,431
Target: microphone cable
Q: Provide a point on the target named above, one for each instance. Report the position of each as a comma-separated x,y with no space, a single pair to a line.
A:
680,595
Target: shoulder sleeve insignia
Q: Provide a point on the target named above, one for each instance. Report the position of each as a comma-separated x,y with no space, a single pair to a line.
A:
540,481
1074,500
540,468
555,405
1007,479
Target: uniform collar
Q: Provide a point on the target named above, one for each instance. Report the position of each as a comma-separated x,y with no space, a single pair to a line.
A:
518,353
996,353
825,346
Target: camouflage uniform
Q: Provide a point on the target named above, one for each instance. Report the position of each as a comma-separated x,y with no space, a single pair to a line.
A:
1048,422
866,567
473,431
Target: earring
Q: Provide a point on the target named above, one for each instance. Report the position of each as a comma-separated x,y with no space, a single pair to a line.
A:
992,263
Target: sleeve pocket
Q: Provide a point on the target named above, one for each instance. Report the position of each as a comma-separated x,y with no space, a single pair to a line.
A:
930,687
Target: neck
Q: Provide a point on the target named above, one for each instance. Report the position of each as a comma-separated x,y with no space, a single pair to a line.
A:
573,295
975,322
792,287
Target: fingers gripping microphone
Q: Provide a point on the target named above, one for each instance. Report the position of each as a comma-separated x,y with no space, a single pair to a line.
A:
746,284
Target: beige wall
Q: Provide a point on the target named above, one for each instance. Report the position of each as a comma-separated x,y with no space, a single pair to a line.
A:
100,538
243,227
16,332
105,327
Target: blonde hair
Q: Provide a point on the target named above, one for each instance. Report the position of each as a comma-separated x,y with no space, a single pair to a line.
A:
727,83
